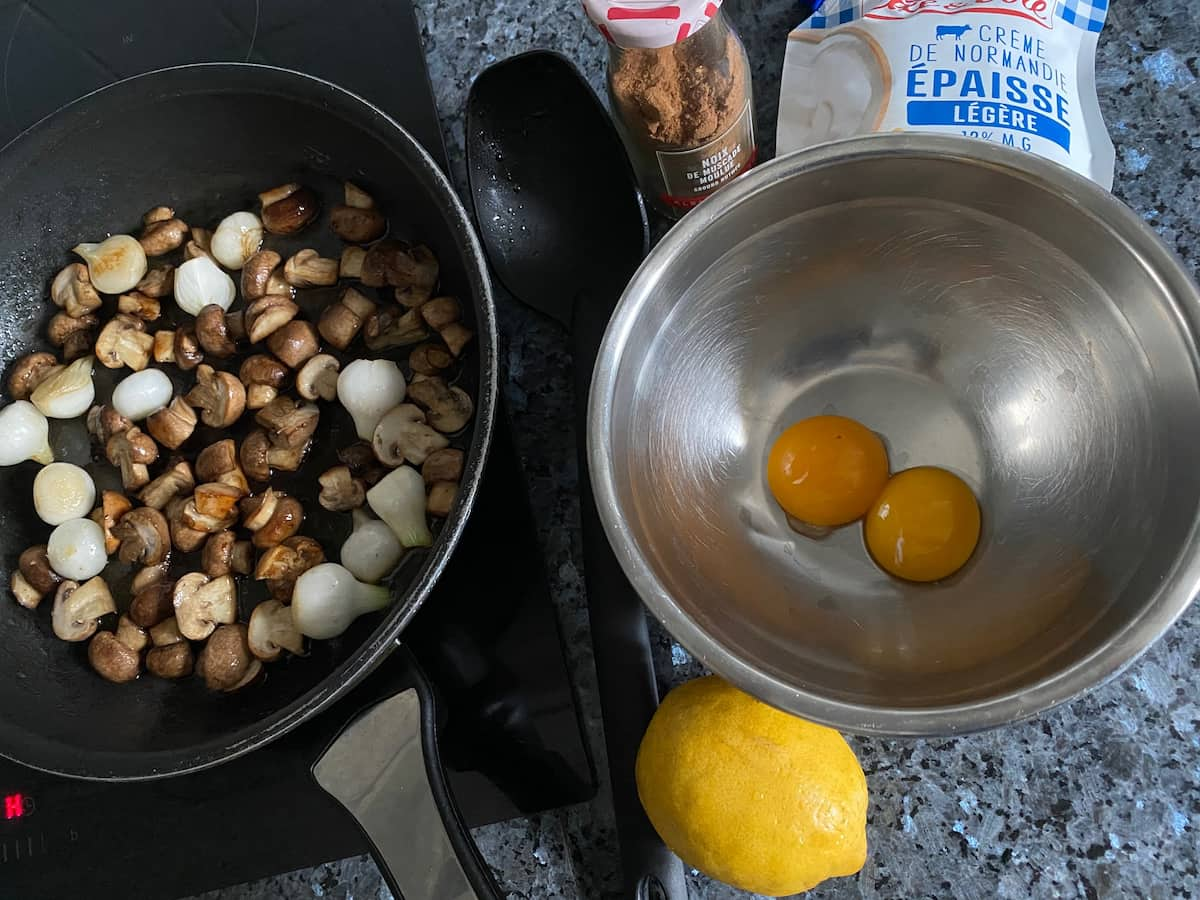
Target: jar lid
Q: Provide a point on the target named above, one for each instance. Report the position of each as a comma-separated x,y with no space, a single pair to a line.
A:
649,23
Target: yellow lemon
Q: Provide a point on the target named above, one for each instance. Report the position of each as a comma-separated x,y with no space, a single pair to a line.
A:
749,795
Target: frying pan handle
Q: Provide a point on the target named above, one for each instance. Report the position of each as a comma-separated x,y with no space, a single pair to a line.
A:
385,769
621,648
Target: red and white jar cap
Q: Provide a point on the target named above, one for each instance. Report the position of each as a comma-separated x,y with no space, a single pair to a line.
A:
649,23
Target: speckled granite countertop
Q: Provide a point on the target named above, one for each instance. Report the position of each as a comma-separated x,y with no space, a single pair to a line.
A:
1098,799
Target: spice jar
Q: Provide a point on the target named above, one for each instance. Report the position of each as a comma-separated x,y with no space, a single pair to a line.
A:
679,82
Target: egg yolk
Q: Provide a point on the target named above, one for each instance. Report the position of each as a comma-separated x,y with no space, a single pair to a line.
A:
827,470
924,525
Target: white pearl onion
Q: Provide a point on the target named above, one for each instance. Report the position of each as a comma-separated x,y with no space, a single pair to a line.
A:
199,282
142,394
116,264
236,239
62,491
76,549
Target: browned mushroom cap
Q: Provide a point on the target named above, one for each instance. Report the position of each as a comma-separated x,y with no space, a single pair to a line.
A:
153,604
317,378
340,490
341,321
220,511
350,265
430,359
186,349
72,290
124,342
172,425
440,312
289,424
35,567
263,376
441,498
220,397
288,208
289,559
131,635
307,268
113,660
411,270
295,343
158,282
357,225
63,328
104,421
140,306
224,554
443,465
259,455
157,214
144,536
219,463
113,506
173,660
132,451
257,272
447,408
177,481
390,327
272,631
272,517
28,372
361,460
185,538
457,336
212,332
163,350
268,314
201,604
163,236
226,663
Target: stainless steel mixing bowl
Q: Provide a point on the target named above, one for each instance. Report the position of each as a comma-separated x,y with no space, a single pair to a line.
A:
982,310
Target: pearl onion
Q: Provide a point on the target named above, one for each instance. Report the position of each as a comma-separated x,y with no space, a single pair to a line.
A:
76,549
63,491
142,393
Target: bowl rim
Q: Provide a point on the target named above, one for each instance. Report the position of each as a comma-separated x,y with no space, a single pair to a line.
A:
1176,588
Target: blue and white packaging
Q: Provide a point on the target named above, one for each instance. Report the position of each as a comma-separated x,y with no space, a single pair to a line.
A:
1016,72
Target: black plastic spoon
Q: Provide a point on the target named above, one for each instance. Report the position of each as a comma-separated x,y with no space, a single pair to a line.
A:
565,227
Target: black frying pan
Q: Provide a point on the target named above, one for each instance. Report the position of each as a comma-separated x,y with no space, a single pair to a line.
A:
205,139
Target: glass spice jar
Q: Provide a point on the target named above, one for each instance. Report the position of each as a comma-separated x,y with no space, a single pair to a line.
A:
679,83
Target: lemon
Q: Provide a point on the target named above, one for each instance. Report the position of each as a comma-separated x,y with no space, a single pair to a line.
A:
749,795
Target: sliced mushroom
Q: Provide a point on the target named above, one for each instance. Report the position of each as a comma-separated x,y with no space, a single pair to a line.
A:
158,282
288,208
448,409
163,350
443,465
144,535
218,462
307,268
263,376
166,633
362,462
295,343
23,591
177,481
440,312
132,451
186,350
172,425
184,538
289,424
214,520
390,263
153,604
258,455
124,342
218,501
224,554
63,328
212,332
77,607
403,435
356,196
389,327
341,321
357,225
272,631
199,245
220,397
113,505
140,306
441,498
430,359
173,660
289,559
28,372
226,663
131,635
202,603
150,575
340,490
318,378
104,421
163,236
350,265
113,660
272,517
256,273
34,568
268,314
456,336
72,290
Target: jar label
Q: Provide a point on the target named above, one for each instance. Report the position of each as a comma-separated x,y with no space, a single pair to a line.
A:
691,175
